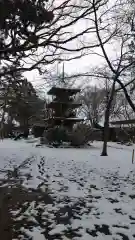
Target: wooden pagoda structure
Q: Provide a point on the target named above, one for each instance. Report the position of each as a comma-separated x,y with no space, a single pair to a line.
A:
62,108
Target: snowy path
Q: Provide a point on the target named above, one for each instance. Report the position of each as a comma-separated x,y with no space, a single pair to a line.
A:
84,196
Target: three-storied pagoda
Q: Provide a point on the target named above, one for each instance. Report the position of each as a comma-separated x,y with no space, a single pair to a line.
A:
63,107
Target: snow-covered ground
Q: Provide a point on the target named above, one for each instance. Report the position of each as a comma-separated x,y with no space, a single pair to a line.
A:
85,196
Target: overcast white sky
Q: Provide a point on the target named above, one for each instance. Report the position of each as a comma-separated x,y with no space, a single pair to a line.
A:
75,66
79,65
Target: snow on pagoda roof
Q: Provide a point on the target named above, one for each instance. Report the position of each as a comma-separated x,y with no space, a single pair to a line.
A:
71,104
65,119
58,91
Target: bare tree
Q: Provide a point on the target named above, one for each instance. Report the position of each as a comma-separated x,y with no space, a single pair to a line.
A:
93,102
117,67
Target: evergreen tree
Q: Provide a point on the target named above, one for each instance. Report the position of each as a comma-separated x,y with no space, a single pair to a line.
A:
20,24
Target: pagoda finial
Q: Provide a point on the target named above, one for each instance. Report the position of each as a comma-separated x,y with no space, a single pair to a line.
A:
63,74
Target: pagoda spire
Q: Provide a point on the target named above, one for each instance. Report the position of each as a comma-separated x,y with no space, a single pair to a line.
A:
63,73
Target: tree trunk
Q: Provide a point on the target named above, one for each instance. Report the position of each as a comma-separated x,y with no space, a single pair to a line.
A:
2,124
105,133
132,105
26,128
106,123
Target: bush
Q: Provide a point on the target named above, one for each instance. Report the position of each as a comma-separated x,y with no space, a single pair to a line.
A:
57,134
80,135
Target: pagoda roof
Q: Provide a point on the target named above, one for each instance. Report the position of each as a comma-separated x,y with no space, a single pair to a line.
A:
65,119
58,91
54,104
